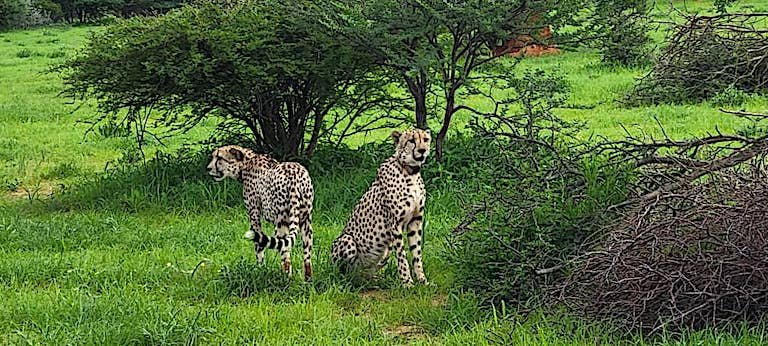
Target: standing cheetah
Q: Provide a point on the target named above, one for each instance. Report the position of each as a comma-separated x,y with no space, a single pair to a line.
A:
281,193
392,205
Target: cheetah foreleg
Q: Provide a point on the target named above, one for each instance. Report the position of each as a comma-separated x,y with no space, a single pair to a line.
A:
402,261
414,242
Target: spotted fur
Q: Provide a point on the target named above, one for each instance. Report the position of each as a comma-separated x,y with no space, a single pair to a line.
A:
394,204
280,192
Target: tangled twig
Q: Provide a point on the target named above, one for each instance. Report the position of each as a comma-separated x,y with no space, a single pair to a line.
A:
693,257
706,55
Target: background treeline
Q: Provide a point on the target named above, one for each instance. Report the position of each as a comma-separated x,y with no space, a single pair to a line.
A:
27,13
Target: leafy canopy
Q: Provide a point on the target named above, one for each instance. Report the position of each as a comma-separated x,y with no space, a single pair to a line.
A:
253,63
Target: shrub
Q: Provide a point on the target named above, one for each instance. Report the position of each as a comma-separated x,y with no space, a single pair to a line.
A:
705,56
535,196
622,28
729,97
24,13
695,257
12,13
256,65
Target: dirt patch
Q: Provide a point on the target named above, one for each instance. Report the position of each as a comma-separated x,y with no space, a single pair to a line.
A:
439,300
375,295
406,332
44,190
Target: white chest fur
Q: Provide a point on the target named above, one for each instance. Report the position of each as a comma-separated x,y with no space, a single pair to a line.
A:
414,196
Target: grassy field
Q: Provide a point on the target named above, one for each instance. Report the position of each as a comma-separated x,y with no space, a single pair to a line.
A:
94,252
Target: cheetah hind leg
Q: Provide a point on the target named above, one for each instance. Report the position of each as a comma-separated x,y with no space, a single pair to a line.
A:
259,254
343,254
256,237
306,241
384,260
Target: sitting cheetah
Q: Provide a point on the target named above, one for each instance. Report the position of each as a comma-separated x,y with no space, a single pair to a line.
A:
282,193
392,205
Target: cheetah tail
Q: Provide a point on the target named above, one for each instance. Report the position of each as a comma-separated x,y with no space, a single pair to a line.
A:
267,242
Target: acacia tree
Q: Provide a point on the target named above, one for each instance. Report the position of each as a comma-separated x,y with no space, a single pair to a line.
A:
252,63
439,45
393,33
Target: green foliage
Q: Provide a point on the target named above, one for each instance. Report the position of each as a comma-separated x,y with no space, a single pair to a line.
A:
50,9
87,11
721,6
13,13
26,13
439,46
256,65
729,97
622,27
535,196
24,53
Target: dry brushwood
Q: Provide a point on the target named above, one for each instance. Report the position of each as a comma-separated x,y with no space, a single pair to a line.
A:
667,164
707,55
694,257
690,250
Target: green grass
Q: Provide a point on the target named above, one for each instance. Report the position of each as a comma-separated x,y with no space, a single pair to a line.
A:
155,254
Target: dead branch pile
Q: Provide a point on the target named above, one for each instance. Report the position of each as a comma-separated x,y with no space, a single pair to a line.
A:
667,164
707,55
692,253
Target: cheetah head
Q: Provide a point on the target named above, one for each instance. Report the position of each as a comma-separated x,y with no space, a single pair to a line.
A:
227,161
412,146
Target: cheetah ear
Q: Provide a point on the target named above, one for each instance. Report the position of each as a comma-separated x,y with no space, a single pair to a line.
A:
396,136
237,154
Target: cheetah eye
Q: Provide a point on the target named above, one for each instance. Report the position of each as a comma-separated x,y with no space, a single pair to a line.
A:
426,139
412,140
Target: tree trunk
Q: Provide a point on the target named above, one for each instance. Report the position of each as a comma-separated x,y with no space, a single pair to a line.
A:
421,111
418,89
316,126
450,105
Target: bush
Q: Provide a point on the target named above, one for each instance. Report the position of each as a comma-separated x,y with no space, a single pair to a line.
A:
256,65
13,13
622,28
695,257
729,97
706,56
24,13
535,196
